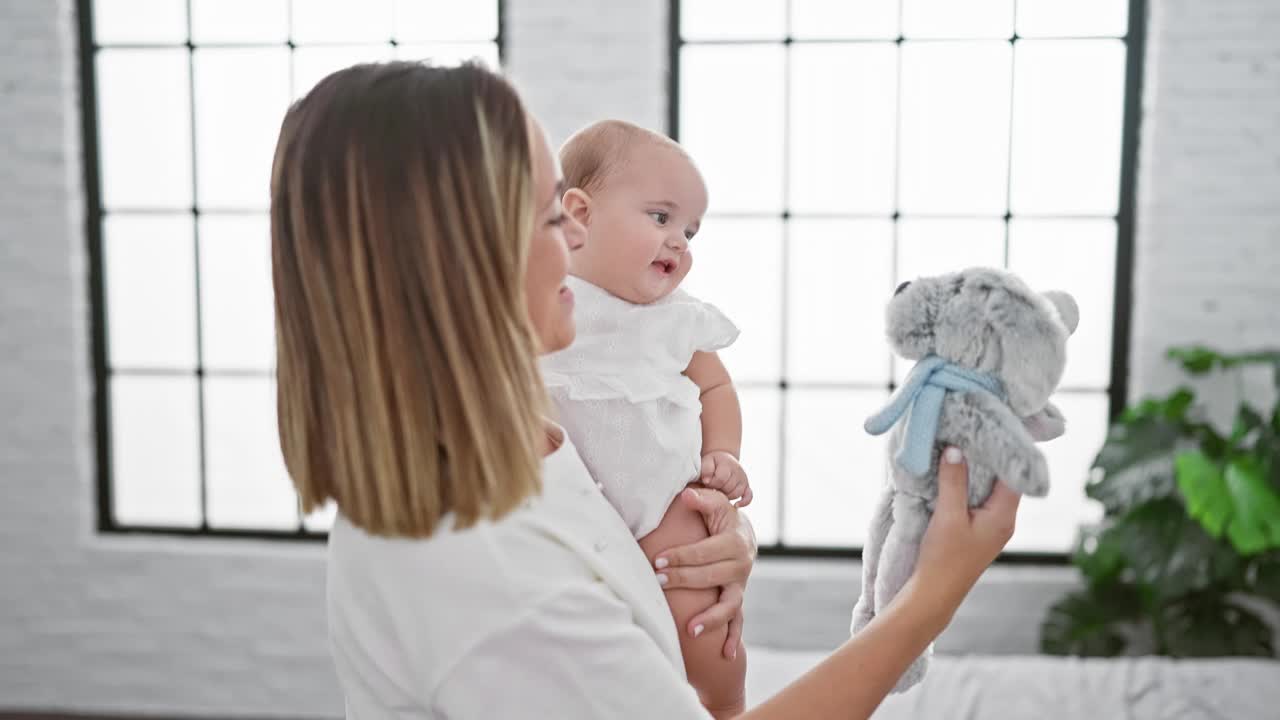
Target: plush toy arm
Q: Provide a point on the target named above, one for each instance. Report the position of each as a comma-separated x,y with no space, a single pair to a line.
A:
1046,424
999,438
881,521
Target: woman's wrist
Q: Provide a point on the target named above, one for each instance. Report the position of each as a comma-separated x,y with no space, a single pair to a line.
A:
929,606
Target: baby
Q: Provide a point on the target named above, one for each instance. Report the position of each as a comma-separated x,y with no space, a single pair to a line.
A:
641,391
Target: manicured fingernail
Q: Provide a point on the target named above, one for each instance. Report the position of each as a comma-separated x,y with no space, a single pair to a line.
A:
733,654
953,455
660,563
662,578
697,630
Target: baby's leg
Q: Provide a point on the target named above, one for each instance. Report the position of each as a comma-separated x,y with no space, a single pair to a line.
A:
720,682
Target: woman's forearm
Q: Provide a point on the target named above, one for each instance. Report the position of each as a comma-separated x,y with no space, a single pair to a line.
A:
853,680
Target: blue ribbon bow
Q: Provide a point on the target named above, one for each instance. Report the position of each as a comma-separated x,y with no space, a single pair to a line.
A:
920,399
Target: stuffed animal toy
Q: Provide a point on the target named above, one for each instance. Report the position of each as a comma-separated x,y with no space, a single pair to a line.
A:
989,351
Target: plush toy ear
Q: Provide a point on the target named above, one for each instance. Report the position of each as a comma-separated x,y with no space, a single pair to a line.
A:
1067,309
1032,346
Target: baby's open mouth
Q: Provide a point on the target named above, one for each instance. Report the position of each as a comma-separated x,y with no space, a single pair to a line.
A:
666,267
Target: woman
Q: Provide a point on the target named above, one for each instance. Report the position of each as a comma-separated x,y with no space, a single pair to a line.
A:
475,571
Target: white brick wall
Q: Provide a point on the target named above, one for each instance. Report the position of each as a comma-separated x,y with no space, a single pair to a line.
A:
233,628
1208,243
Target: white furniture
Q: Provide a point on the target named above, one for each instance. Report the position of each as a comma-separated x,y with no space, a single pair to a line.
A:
1014,687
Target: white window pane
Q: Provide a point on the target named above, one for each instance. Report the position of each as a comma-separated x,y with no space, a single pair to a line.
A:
957,19
843,123
760,440
139,21
341,21
451,53
221,21
322,520
935,246
844,19
311,65
736,267
237,314
149,264
1068,113
446,20
731,118
730,19
840,275
928,247
835,470
1049,524
1048,18
955,127
246,484
155,451
241,97
1078,256
144,128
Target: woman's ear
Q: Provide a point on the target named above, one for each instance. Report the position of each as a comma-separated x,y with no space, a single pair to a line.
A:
577,204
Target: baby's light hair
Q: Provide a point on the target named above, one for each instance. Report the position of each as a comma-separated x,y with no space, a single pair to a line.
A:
596,151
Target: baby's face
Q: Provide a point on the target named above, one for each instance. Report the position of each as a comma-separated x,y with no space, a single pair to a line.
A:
640,224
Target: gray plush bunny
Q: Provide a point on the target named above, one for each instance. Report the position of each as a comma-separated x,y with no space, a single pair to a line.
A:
989,353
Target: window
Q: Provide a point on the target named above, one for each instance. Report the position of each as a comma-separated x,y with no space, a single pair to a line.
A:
850,146
183,102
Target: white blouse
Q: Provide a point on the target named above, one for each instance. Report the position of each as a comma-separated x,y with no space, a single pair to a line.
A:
550,612
621,392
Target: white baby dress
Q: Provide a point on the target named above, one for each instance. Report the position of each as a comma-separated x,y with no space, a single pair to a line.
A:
621,394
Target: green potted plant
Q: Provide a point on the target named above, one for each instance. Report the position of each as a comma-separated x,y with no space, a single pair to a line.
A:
1187,555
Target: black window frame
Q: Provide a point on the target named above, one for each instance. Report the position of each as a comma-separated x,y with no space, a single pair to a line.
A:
95,213
1118,387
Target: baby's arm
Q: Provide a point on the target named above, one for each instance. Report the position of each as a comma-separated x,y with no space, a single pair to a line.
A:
721,427
718,680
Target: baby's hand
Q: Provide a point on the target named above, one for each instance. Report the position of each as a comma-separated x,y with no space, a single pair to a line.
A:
720,470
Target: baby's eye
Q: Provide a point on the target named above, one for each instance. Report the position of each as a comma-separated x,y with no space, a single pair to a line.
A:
659,217
688,235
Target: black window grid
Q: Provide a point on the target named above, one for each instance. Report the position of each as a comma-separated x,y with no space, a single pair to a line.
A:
96,213
1117,388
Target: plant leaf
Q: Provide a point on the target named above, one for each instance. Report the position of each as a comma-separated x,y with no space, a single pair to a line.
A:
1202,486
1209,625
1255,524
1168,552
1100,561
1089,622
1174,407
1247,420
1135,464
1266,580
1196,360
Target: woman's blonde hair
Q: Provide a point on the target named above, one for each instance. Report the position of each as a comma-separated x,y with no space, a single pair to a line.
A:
401,212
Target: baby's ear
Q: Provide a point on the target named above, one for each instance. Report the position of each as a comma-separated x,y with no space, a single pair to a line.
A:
577,204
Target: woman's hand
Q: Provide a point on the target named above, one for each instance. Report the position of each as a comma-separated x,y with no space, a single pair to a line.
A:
722,561
960,541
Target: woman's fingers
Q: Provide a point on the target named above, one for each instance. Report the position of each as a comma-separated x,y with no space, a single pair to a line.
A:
718,615
733,643
953,483
716,510
1000,512
701,577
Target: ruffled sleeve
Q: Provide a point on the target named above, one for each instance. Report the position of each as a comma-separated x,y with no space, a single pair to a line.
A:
637,352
